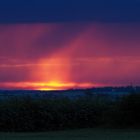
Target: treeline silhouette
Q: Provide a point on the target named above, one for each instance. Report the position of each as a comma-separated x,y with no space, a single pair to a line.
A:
26,114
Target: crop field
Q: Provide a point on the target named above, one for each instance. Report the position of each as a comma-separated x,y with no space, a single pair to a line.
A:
81,134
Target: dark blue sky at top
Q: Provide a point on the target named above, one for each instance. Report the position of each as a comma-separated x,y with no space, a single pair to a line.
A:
14,11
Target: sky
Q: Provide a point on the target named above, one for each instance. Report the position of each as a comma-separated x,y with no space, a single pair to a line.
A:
58,45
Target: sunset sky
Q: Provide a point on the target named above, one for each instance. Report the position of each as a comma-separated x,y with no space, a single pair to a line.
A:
58,53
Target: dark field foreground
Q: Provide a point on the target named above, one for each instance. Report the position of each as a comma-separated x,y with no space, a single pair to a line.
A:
81,134
41,115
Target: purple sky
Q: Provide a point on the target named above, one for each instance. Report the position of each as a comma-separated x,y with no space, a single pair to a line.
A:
77,52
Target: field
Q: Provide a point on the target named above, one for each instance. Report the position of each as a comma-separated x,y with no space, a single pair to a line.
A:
81,134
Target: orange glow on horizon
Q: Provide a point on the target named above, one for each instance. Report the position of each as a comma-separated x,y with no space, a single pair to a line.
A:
54,73
46,86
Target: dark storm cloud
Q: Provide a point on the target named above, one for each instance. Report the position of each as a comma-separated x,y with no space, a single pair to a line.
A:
21,42
69,10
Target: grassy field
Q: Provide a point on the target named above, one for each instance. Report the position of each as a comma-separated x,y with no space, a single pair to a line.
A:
81,134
